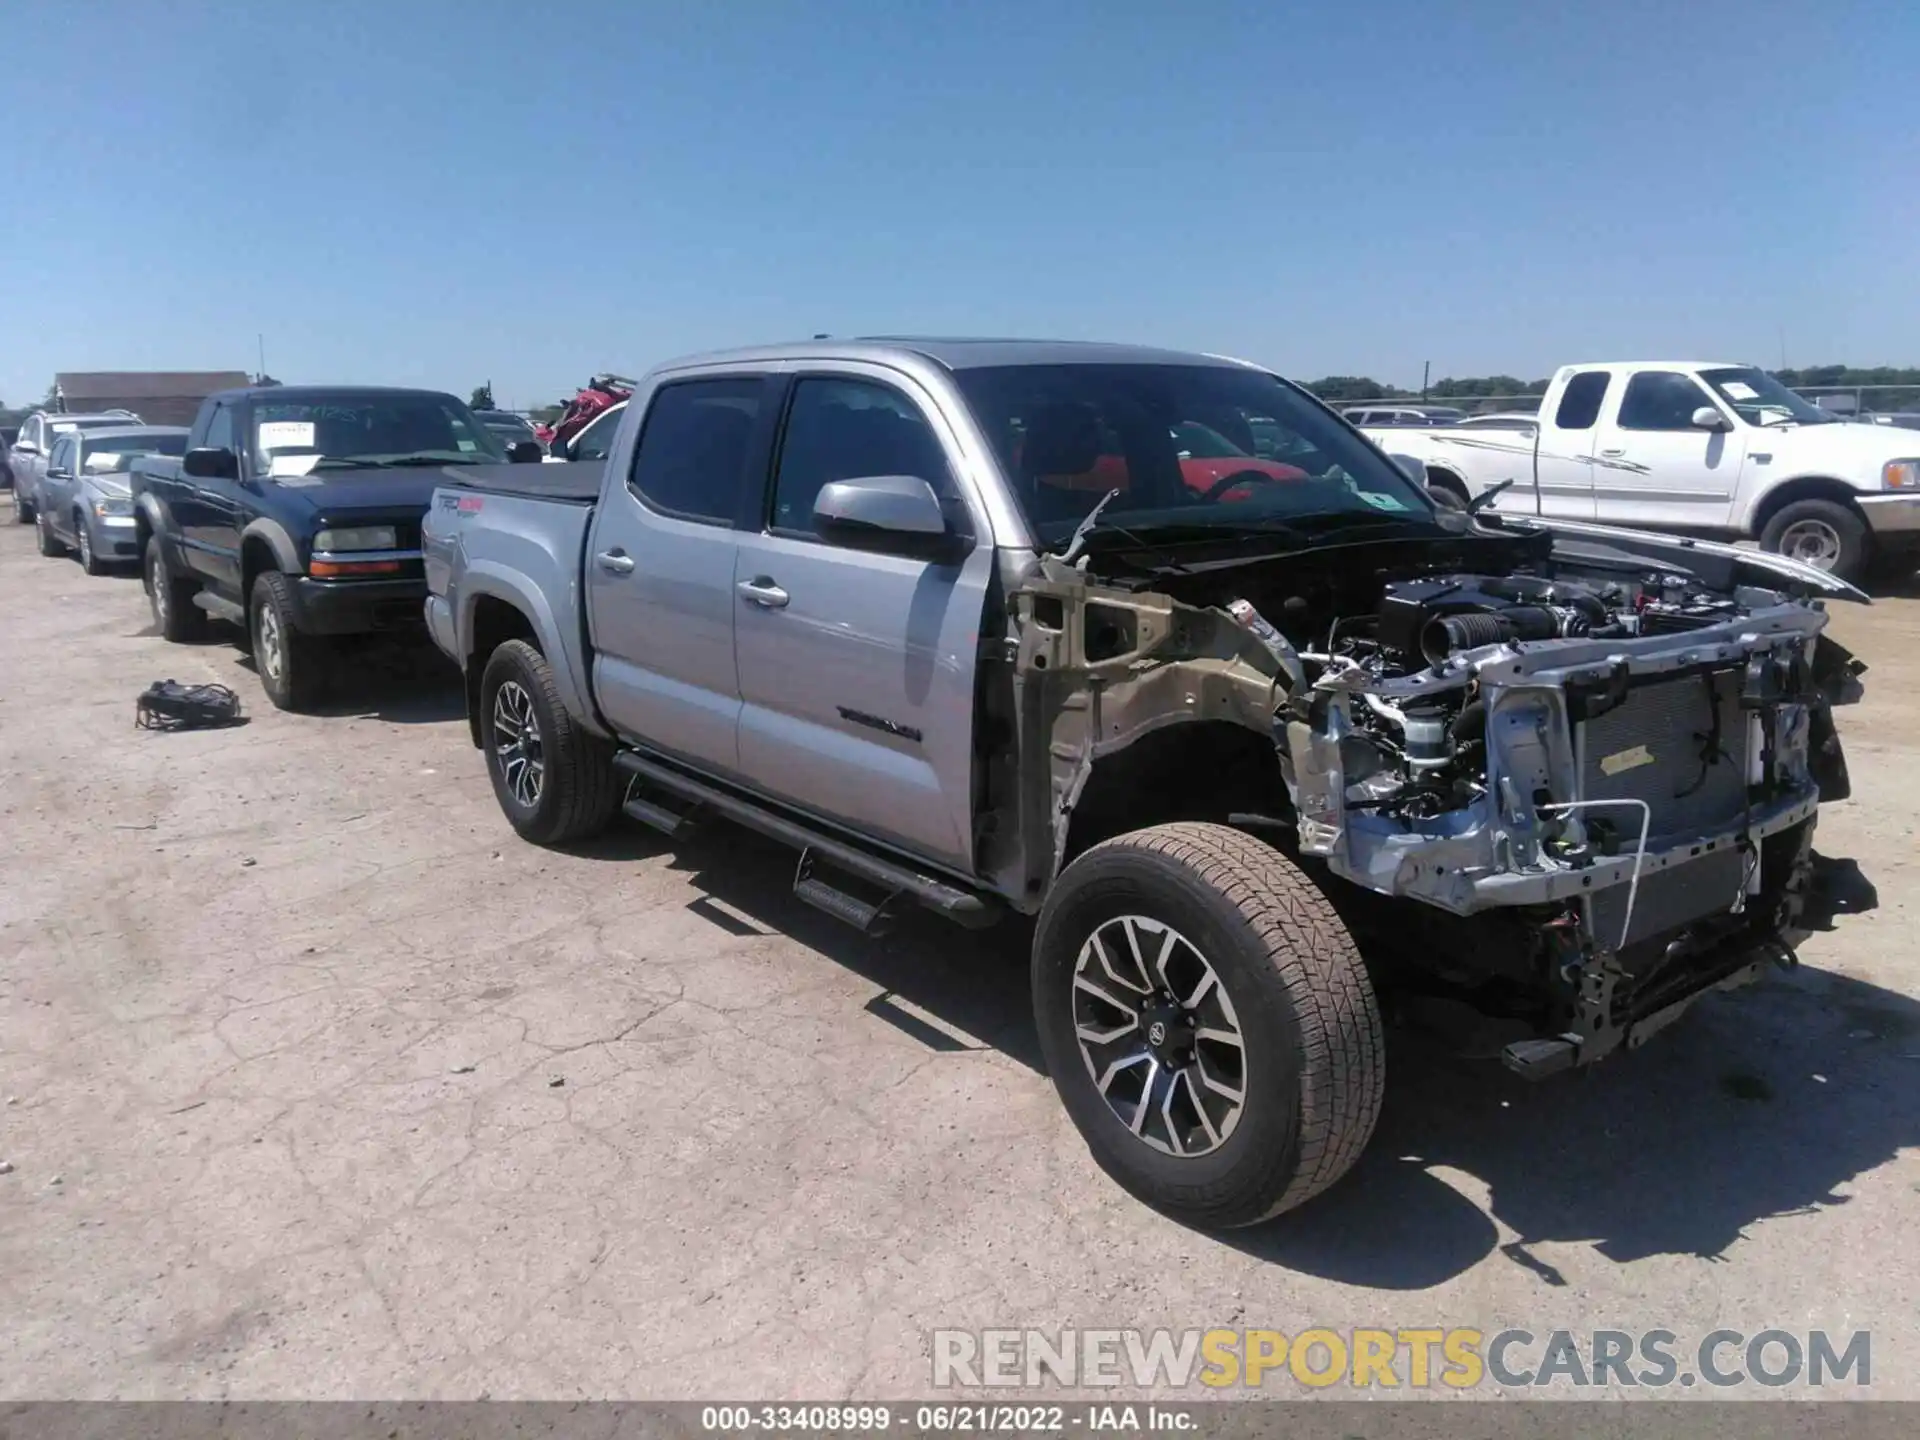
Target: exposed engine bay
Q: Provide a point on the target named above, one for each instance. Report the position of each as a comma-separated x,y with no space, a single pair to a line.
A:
1600,759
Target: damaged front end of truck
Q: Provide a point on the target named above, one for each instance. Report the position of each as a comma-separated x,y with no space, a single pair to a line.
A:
1592,760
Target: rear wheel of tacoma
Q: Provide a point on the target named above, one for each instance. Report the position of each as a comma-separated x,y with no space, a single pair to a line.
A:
292,664
44,539
22,508
1207,1022
175,615
1822,533
553,779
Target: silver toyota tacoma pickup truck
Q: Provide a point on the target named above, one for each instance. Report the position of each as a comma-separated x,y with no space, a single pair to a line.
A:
1157,649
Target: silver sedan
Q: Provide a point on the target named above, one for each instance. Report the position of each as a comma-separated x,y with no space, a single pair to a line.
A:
82,501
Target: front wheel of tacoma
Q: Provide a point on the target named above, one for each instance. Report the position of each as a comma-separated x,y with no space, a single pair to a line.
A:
554,780
1207,1022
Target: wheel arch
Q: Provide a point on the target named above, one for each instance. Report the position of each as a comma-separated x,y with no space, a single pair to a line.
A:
265,545
1179,770
1802,487
487,589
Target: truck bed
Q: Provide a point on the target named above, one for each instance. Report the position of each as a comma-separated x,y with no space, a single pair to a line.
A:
573,483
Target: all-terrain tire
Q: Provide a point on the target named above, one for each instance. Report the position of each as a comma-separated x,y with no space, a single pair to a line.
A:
561,790
1837,530
1314,1067
44,540
294,667
170,597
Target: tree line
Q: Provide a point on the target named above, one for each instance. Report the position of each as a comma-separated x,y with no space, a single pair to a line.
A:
1814,377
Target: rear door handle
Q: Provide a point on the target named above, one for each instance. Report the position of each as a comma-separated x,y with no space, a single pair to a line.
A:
1613,454
763,592
615,562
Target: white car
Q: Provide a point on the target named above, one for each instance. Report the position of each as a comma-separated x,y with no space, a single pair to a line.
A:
1696,447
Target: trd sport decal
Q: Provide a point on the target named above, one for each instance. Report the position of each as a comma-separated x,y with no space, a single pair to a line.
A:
874,722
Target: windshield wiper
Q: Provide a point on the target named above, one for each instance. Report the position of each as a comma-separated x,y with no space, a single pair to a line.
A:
1087,526
391,462
1486,497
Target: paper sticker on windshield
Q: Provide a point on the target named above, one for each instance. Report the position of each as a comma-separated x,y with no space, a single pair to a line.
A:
286,435
1623,760
1738,390
289,465
1381,502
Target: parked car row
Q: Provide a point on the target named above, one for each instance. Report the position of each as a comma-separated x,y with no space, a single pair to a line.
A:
1150,647
1718,450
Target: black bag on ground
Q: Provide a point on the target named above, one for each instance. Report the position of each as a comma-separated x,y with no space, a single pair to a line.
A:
169,705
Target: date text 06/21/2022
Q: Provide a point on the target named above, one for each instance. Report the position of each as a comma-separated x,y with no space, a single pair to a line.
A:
1091,1419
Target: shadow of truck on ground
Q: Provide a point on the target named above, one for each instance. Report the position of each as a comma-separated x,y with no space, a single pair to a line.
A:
1762,1102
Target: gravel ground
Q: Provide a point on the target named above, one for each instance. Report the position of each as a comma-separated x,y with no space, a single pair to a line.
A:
318,1083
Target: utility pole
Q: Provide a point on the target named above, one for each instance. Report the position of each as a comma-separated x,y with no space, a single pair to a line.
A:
262,339
1426,369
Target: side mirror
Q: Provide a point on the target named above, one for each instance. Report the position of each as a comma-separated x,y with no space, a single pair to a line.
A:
526,452
1708,418
1414,470
61,474
211,462
882,512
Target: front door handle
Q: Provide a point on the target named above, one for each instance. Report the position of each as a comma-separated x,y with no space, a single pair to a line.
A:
1613,454
615,562
763,592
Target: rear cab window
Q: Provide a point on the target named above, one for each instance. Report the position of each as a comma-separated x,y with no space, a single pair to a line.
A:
1580,401
691,460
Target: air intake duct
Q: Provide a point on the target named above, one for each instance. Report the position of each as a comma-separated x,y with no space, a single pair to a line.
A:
1469,630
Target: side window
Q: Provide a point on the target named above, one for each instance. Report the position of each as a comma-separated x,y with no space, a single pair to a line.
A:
594,442
1580,401
34,434
62,457
845,429
220,429
693,447
1660,400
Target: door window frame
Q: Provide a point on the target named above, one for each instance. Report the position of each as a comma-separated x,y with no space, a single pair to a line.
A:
1704,392
954,503
755,466
957,500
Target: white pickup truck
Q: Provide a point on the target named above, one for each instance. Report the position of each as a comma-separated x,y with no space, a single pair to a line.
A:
1696,447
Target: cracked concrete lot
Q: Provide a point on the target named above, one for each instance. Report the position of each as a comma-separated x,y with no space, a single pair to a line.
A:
318,1083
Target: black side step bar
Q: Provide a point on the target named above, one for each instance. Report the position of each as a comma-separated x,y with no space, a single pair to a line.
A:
811,888
890,876
674,824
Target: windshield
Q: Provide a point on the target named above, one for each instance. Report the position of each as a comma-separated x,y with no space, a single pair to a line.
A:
508,425
291,437
1184,445
112,454
1759,399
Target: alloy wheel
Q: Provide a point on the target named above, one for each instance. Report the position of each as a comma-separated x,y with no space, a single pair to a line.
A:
270,643
157,589
86,545
516,743
1814,542
1159,1035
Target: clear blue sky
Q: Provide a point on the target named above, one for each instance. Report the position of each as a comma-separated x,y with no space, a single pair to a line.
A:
440,193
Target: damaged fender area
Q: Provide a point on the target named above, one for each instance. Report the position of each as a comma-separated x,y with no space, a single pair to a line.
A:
1095,669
